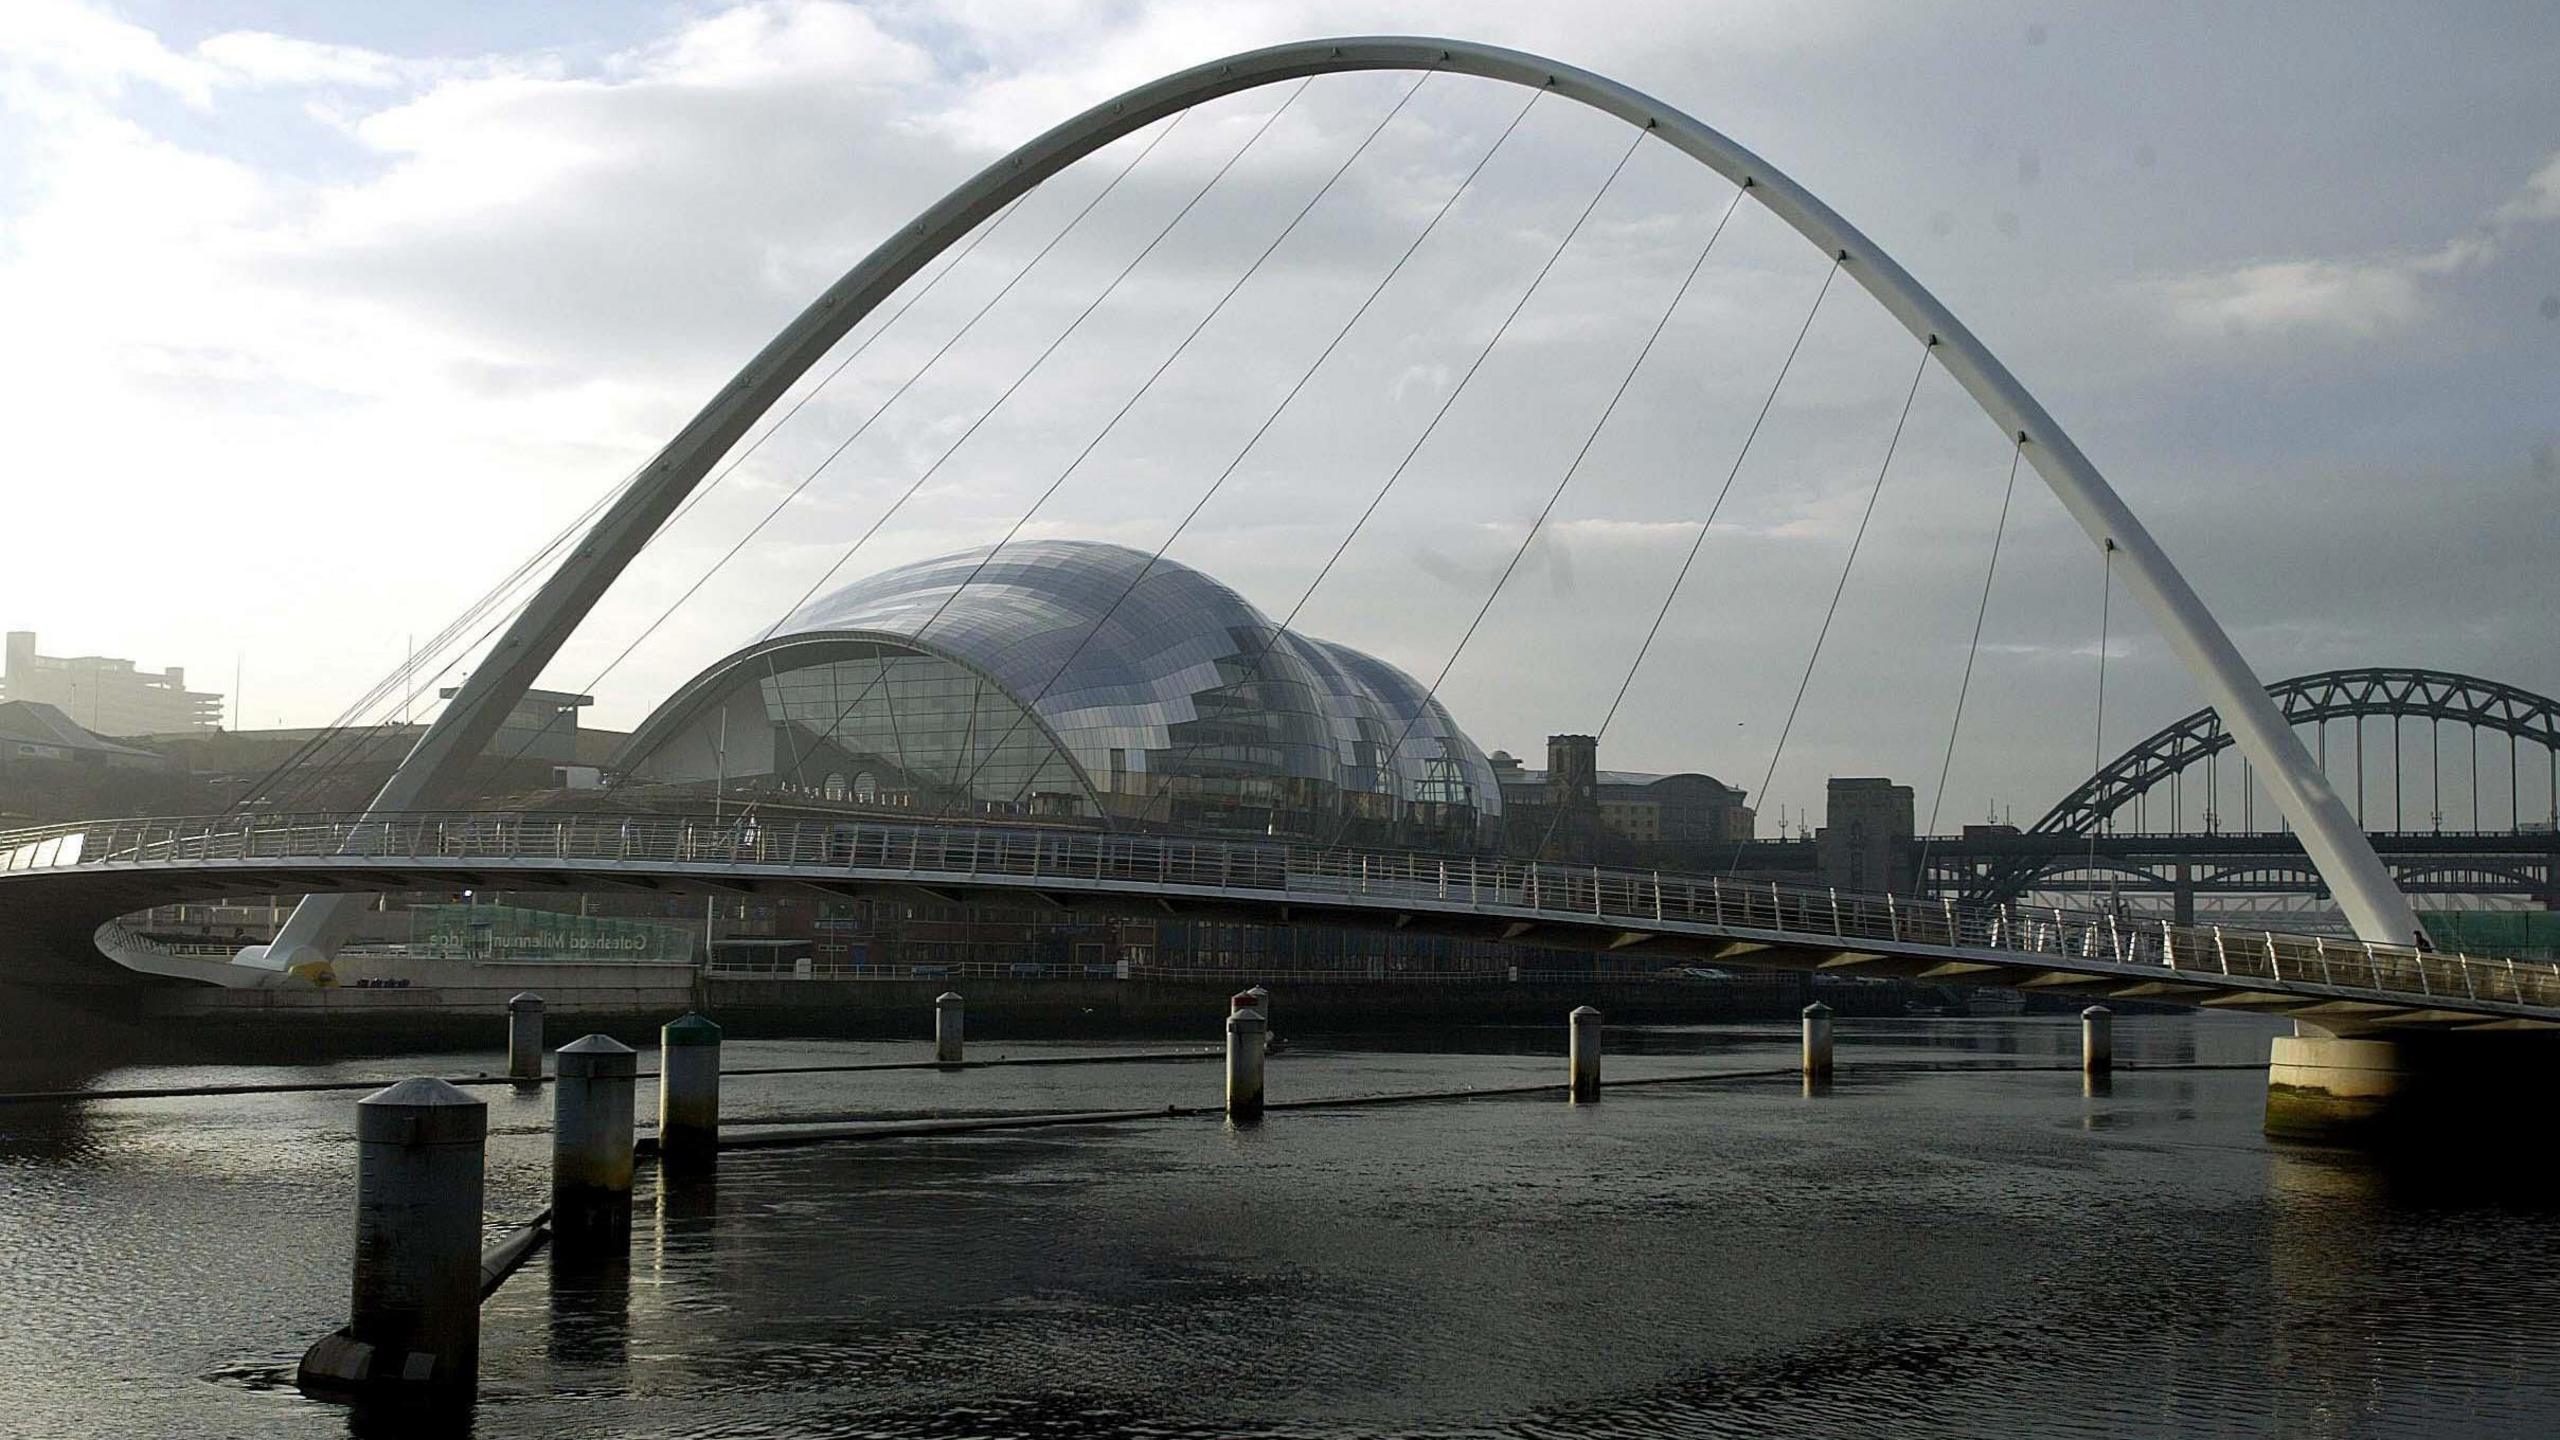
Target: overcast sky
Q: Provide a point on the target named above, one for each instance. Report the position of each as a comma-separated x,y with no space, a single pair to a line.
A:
315,320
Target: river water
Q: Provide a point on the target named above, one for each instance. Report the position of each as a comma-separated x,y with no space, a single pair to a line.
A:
1932,1248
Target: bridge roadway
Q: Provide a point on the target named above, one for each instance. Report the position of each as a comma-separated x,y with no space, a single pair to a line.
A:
2520,863
1988,868
60,883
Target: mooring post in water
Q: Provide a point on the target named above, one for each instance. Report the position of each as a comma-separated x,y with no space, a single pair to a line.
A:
1582,1055
1817,1041
414,1323
524,1039
688,1094
950,1015
2097,1041
1248,1033
591,1147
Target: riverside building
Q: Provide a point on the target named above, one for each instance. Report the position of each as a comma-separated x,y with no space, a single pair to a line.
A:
104,695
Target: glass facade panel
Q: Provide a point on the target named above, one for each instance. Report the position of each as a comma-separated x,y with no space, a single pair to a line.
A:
1074,677
909,731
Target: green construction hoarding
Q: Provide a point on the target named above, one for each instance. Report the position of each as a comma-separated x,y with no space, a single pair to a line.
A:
2522,934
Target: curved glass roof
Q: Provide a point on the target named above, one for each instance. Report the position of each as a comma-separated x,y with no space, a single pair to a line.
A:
1184,677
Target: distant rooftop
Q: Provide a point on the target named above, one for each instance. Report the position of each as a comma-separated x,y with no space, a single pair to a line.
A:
32,722
1633,779
1604,777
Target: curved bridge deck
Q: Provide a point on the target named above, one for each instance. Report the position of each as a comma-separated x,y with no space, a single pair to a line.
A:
72,878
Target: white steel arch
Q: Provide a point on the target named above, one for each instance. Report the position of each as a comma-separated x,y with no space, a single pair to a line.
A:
2373,904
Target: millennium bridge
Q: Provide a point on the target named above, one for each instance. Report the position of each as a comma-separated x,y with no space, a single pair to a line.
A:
2369,1010
74,878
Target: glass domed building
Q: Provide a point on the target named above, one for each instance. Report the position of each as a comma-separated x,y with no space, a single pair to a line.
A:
1071,680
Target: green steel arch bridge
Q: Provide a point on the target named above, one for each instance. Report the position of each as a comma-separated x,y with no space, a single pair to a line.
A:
2101,838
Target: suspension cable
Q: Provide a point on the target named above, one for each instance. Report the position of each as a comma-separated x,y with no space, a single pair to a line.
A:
2098,725
1073,222
1946,765
809,478
1394,753
1855,542
703,492
1197,196
1037,361
399,685
402,679
1451,398
1262,651
1255,439
985,232
967,786
1447,401
1699,540
373,741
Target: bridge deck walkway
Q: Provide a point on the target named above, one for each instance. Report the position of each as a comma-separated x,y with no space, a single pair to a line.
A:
89,873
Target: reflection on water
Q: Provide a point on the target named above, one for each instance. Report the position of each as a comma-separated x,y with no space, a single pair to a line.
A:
590,1312
1925,1251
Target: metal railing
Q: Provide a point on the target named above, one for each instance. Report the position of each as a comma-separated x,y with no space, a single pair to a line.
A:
1633,900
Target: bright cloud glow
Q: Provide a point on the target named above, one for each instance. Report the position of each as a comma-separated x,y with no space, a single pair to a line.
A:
2287,295
2351,298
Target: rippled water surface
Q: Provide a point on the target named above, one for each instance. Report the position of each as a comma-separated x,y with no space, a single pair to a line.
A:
1925,1250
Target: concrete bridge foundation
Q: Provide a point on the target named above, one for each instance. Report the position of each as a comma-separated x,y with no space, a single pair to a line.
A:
2404,1088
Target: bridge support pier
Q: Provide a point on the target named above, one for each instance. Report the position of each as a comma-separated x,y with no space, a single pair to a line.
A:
524,1039
414,1323
2097,1041
1817,1043
949,1018
1582,1055
688,1095
591,1150
2409,1089
1247,1035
